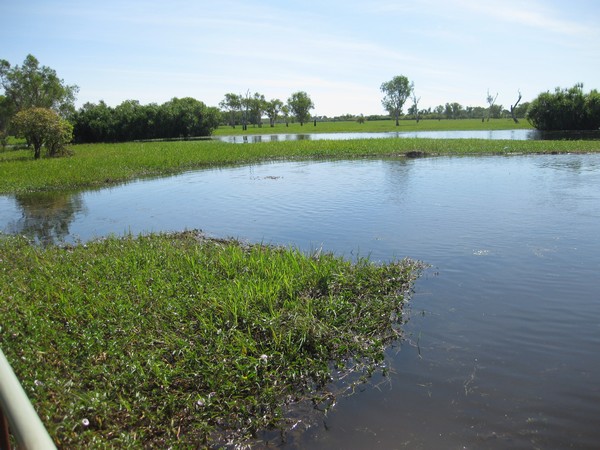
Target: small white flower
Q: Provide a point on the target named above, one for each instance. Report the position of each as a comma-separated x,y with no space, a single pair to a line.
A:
264,358
85,422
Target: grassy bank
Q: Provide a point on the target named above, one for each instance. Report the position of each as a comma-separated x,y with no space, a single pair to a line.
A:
375,126
105,164
174,340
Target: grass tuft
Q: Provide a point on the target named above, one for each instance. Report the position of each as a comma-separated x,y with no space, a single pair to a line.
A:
175,340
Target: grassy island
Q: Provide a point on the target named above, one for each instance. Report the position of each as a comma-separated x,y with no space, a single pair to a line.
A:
97,165
177,340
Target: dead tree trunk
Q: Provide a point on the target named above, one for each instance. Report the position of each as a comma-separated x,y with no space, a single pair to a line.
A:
513,108
491,100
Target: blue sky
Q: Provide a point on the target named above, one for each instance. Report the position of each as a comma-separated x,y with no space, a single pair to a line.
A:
338,51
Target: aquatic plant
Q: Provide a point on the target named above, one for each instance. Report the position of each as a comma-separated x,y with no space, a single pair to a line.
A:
174,339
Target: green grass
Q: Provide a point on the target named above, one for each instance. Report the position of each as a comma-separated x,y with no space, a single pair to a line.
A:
172,340
376,126
97,165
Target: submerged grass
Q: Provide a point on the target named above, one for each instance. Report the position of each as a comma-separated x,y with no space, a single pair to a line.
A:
105,164
175,340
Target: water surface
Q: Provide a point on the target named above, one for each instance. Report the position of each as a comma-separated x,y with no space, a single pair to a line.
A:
514,135
501,348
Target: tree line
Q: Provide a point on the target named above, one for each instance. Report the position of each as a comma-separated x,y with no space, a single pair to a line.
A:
399,89
39,106
243,109
129,121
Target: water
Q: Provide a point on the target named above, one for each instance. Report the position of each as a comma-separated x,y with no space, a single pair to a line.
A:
501,348
515,135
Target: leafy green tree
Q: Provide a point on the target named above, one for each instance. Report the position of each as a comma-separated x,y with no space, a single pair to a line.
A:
396,92
187,117
453,110
35,86
257,105
42,126
130,120
5,115
300,105
231,105
94,123
566,109
273,108
285,112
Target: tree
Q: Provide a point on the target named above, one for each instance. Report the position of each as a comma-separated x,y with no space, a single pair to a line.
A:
32,86
300,105
521,110
396,91
5,115
513,109
566,109
415,105
272,108
490,101
94,123
130,120
256,105
453,110
285,111
43,126
232,105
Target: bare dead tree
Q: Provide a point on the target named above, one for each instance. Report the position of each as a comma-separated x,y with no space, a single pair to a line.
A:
490,100
415,100
246,105
514,107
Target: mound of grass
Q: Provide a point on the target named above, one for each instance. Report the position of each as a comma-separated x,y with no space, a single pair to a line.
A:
98,165
175,340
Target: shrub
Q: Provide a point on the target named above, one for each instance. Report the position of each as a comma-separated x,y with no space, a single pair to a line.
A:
566,109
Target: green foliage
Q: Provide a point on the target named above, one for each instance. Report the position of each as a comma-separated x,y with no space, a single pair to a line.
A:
6,112
175,340
521,110
566,109
32,86
43,126
273,108
232,106
253,108
177,118
395,91
300,105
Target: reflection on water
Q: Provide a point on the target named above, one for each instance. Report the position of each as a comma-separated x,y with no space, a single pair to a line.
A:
501,348
514,135
45,216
